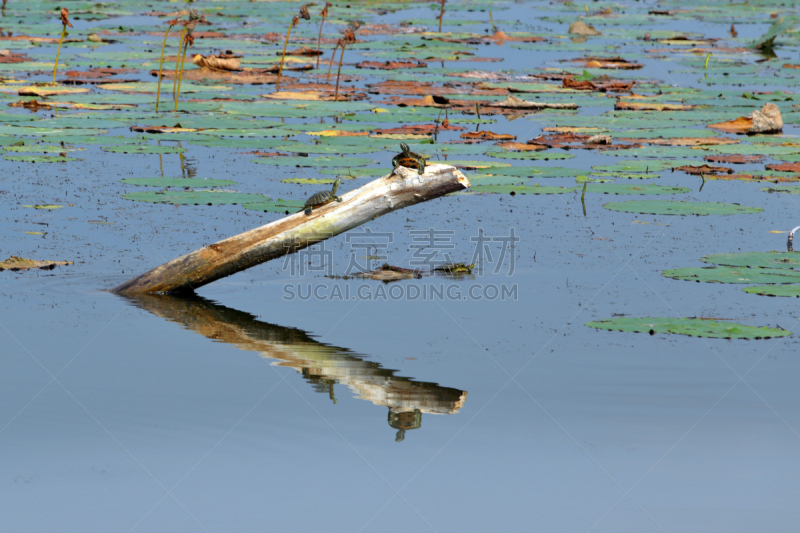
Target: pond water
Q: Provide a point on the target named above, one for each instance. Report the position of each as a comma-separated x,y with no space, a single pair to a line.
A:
289,398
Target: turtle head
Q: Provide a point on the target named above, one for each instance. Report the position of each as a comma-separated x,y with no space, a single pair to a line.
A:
336,185
404,147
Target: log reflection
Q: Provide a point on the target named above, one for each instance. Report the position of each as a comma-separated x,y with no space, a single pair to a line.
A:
320,364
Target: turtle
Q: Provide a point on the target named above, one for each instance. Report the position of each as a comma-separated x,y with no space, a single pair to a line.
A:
408,159
322,198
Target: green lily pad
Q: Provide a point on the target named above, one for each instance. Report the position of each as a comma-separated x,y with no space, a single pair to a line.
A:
356,172
741,275
786,189
641,166
694,327
755,259
774,290
329,161
41,158
194,197
624,188
545,155
176,182
143,149
278,206
676,207
520,189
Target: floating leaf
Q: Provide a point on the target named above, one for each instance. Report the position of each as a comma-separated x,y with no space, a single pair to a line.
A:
694,327
675,207
194,197
741,275
41,158
755,259
20,263
623,188
143,149
775,290
176,182
337,162
520,189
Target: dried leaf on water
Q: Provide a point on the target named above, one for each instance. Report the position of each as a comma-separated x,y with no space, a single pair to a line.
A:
20,263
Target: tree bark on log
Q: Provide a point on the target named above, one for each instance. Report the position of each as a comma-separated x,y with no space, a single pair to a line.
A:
401,189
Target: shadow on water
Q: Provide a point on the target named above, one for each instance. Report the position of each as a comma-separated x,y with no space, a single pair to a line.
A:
322,365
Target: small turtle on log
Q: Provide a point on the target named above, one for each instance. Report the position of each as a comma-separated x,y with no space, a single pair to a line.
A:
322,198
408,159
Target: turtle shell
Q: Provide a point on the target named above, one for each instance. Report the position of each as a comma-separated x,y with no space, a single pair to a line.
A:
409,159
319,198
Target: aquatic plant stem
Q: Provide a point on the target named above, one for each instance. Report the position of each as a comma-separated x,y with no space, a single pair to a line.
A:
330,65
441,16
338,73
319,39
177,63
583,198
283,55
58,52
161,66
180,75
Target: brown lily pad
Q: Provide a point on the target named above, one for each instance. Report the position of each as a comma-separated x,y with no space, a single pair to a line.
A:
766,120
581,28
624,105
387,273
391,65
614,63
785,167
522,147
7,56
735,159
217,62
704,170
512,102
597,84
416,129
20,263
488,136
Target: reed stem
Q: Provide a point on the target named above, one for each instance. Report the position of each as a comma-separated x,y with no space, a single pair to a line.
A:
283,55
341,58
161,66
177,63
58,52
180,75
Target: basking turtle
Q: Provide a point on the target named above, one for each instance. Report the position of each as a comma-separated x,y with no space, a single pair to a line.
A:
322,198
408,159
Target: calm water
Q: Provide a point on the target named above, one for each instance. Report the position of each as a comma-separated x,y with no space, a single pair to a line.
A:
242,410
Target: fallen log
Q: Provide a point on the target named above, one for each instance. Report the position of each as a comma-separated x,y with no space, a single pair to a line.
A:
285,236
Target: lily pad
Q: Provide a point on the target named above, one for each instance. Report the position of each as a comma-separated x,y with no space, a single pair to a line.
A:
20,263
520,189
774,290
741,275
755,259
194,197
676,207
624,188
177,182
41,158
694,327
329,161
143,149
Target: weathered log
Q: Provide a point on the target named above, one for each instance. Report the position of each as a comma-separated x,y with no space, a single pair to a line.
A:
285,236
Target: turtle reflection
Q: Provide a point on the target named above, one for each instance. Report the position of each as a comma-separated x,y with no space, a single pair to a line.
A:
322,365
